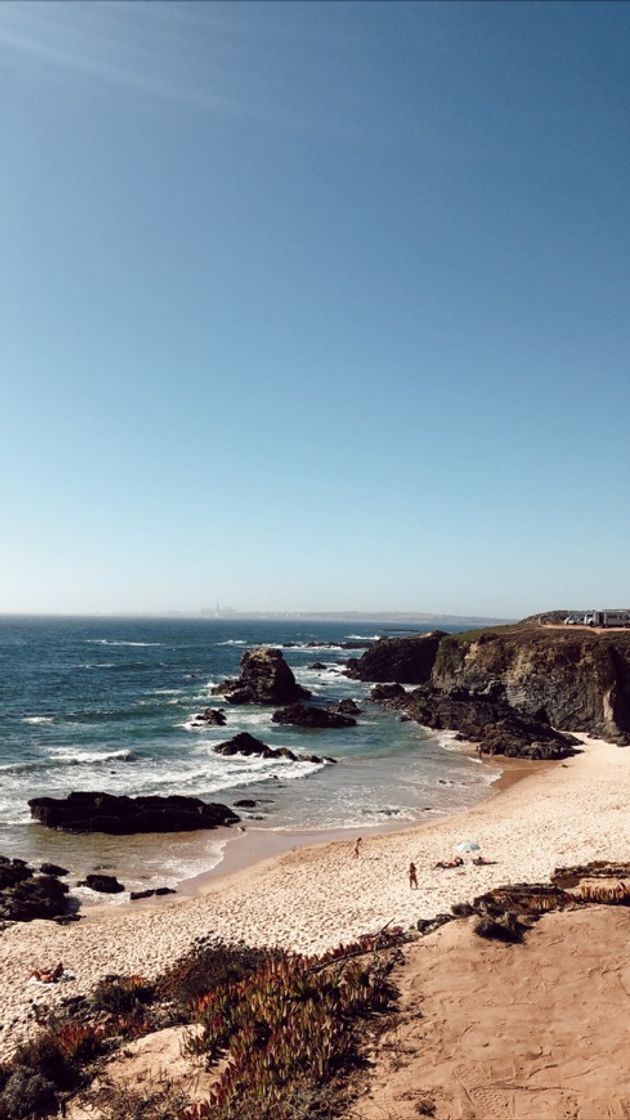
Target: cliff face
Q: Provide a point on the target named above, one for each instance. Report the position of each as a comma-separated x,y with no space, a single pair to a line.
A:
573,680
405,660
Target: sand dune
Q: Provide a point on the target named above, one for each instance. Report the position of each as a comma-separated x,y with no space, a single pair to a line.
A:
519,1032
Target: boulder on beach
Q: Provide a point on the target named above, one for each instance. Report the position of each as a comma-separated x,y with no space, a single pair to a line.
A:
265,678
119,816
25,895
53,869
305,715
106,884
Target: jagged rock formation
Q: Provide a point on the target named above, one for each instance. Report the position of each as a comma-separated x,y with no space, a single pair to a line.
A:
25,895
305,715
404,660
265,679
248,745
510,686
119,816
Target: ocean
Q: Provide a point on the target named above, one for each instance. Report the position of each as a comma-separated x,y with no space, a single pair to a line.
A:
107,704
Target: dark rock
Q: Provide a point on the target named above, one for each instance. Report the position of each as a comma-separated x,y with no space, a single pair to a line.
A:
13,871
394,695
265,679
52,869
158,892
507,928
244,803
318,665
246,744
487,719
106,884
572,680
346,707
404,660
212,716
305,715
103,812
25,896
428,925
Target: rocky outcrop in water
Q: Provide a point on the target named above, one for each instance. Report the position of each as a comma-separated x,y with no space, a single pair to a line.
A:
404,660
509,687
119,816
265,678
305,715
105,884
212,717
248,745
347,707
25,895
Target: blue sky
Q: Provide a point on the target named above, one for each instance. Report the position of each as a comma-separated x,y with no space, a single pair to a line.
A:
315,306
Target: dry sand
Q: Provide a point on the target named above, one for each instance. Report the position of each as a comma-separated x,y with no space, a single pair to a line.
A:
537,1031
316,897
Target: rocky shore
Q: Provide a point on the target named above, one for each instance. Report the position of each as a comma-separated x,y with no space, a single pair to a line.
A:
515,690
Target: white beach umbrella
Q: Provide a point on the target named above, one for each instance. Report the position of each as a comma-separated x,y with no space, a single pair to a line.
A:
468,846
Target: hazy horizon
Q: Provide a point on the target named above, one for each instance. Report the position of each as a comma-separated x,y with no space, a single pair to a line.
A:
322,303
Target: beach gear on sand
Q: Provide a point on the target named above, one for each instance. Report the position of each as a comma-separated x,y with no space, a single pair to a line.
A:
468,846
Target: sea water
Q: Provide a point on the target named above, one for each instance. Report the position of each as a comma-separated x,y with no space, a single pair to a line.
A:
108,704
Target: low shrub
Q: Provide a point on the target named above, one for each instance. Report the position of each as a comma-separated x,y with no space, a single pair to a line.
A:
506,928
121,995
290,1031
209,965
27,1093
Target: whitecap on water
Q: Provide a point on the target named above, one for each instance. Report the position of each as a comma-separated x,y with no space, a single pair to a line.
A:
73,756
37,719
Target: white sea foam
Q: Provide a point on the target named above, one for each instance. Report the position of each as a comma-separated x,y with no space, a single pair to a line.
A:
233,642
364,637
117,642
73,756
37,719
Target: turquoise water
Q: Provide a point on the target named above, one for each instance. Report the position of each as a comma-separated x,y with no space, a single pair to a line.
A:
106,704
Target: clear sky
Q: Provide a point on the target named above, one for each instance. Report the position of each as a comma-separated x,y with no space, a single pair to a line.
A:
319,306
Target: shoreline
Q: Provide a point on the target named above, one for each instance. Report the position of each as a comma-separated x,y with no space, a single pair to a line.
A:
262,845
316,897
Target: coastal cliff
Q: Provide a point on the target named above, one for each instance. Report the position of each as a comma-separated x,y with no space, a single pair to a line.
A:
522,684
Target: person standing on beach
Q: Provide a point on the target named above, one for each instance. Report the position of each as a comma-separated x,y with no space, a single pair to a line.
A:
357,847
413,877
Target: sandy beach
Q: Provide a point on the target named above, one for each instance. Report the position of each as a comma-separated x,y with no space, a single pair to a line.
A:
317,896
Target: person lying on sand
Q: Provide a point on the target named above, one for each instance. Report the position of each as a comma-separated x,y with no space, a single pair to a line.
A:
48,975
480,861
446,864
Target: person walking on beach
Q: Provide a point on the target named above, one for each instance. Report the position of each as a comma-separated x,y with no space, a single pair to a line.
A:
413,877
357,847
